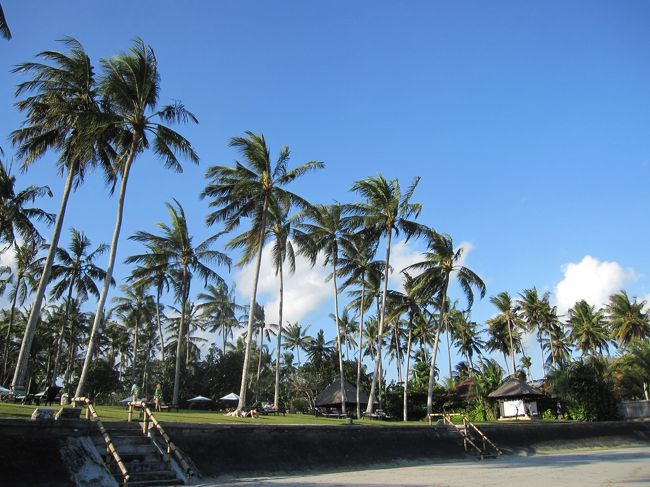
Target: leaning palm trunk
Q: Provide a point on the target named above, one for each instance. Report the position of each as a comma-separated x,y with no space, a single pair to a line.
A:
363,293
434,354
338,338
99,313
541,348
380,335
185,290
276,394
406,372
251,308
35,314
134,365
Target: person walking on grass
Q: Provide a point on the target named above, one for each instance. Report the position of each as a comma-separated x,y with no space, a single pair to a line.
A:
157,396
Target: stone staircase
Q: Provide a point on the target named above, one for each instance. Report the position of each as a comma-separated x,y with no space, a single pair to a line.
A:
147,464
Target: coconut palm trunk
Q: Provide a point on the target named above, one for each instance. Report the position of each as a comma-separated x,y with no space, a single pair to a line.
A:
512,348
338,338
35,314
158,322
406,372
276,394
185,289
380,334
99,313
360,357
434,354
8,335
59,344
251,308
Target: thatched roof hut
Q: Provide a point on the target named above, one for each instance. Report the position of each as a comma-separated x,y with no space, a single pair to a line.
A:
514,388
331,395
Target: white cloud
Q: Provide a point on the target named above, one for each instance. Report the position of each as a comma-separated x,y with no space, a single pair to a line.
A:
592,280
304,291
402,255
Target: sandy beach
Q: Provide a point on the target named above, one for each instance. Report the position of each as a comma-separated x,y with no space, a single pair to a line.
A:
614,467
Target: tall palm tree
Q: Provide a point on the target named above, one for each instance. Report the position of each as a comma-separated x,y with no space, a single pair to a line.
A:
319,349
134,308
76,273
467,336
4,27
442,262
28,268
175,248
411,304
248,190
131,86
220,310
628,320
61,114
508,316
533,311
358,265
386,212
322,234
152,272
296,338
15,217
589,328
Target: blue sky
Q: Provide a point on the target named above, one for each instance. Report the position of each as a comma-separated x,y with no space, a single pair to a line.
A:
527,122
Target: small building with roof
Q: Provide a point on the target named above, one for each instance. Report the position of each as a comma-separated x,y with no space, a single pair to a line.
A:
331,396
517,400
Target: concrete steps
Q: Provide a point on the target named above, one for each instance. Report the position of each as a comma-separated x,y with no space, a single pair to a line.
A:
146,464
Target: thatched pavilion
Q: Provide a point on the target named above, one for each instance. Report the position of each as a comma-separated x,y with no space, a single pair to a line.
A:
517,400
331,396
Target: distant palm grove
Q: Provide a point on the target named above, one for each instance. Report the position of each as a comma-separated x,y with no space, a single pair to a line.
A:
148,328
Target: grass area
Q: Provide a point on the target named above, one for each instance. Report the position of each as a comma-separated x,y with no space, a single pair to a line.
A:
119,413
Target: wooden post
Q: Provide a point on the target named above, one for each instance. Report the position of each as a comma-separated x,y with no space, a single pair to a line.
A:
130,412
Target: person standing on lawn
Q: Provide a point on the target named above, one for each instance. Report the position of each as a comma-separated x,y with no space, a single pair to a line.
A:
157,396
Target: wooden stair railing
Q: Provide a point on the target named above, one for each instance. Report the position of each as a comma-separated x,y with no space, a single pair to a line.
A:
110,447
170,447
465,433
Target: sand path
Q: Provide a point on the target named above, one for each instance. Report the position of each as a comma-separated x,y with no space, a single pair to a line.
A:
617,467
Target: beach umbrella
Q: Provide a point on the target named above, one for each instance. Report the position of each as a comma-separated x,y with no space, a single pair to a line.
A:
230,397
4,389
127,400
200,399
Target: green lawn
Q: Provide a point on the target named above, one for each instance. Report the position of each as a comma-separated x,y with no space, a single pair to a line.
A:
119,413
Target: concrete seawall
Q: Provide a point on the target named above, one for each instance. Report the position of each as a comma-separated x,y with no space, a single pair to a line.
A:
30,451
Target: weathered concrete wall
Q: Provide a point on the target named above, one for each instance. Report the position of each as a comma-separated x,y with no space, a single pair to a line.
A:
529,437
222,449
30,451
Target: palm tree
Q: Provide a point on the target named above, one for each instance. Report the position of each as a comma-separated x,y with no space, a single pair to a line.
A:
324,234
628,320
131,86
411,304
247,191
75,272
385,212
588,328
220,310
15,217
319,349
61,115
4,27
296,338
508,316
442,262
175,248
358,265
135,308
532,309
28,268
499,339
152,272
466,336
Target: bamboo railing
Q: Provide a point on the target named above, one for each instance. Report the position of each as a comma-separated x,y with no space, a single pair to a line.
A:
110,447
465,432
169,444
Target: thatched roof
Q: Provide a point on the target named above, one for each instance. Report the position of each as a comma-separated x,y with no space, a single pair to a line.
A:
331,395
514,388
